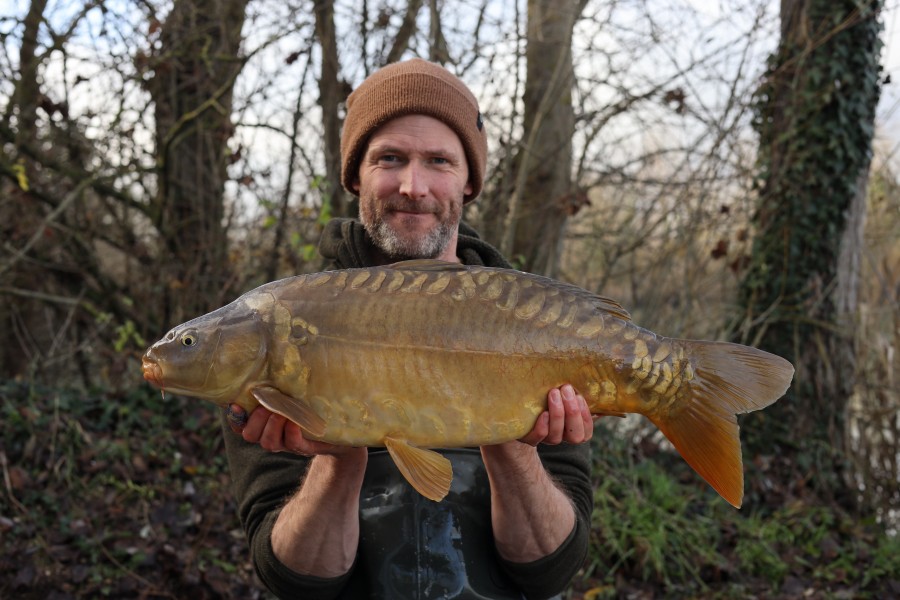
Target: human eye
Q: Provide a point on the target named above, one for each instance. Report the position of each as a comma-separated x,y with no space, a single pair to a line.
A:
388,158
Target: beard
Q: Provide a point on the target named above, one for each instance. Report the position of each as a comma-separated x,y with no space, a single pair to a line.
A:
397,243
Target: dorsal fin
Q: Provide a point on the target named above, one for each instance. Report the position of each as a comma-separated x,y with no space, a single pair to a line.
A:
601,303
428,264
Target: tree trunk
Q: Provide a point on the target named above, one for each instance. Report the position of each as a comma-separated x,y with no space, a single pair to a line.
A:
437,43
18,204
331,94
192,89
815,116
537,209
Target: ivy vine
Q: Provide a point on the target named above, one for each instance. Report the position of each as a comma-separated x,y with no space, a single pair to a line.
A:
814,114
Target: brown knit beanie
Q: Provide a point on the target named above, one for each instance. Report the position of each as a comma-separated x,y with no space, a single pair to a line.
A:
414,86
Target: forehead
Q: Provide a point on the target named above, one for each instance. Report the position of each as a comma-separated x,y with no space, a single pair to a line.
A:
417,132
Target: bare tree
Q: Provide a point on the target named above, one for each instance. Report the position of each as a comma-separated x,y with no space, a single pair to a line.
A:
529,222
194,75
332,93
57,189
113,240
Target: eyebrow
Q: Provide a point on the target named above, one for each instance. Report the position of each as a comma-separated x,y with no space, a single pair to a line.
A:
390,148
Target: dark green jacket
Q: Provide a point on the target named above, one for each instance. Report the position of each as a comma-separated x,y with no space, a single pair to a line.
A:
410,547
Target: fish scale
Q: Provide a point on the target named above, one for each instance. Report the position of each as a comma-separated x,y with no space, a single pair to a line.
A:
426,354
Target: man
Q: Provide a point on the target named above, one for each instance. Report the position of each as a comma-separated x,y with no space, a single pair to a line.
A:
515,523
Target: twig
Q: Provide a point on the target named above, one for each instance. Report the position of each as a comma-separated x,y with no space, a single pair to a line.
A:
8,482
149,585
39,295
39,230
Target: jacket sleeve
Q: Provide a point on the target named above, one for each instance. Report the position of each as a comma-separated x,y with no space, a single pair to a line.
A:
262,482
570,468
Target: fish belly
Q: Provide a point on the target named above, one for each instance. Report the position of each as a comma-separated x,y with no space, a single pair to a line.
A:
430,397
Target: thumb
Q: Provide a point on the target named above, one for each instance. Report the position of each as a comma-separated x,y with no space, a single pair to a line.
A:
236,417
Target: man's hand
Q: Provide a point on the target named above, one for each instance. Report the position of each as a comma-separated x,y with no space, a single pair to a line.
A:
275,433
530,515
567,419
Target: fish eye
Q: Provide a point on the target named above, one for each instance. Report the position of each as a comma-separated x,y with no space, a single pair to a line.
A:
188,339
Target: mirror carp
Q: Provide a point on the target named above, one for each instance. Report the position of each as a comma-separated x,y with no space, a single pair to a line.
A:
427,354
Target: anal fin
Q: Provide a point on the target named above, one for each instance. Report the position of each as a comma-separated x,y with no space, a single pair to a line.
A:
290,408
426,470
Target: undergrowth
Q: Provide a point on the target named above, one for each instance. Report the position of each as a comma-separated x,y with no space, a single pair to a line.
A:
126,495
660,532
115,495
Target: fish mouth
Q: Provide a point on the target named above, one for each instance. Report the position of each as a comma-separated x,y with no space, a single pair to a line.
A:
152,371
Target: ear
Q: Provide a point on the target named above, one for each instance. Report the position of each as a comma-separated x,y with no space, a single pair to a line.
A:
468,189
355,185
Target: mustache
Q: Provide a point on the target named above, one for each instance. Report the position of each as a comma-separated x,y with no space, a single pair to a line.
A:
407,206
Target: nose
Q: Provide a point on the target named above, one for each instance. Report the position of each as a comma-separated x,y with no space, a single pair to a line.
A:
413,181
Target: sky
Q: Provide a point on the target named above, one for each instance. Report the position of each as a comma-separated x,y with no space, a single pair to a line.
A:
889,107
888,131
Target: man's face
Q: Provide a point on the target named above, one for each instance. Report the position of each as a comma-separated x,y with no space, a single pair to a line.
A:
412,181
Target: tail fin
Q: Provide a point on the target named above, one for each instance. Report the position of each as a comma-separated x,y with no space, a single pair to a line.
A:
729,379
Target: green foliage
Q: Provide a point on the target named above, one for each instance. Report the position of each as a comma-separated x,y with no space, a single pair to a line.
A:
645,525
121,495
21,174
127,334
821,543
656,526
306,250
797,532
814,114
885,563
815,118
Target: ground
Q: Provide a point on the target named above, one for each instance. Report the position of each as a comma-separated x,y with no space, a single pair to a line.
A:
126,495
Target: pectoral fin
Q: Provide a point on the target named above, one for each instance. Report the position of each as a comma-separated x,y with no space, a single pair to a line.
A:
290,408
426,470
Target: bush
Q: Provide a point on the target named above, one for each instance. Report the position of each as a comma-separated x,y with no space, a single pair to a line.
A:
110,494
658,530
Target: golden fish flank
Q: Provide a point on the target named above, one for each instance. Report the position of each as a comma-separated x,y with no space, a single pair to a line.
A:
426,354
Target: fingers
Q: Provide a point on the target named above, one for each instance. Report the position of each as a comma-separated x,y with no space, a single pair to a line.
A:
275,433
236,417
567,419
557,406
271,431
255,425
577,424
294,440
272,437
539,431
